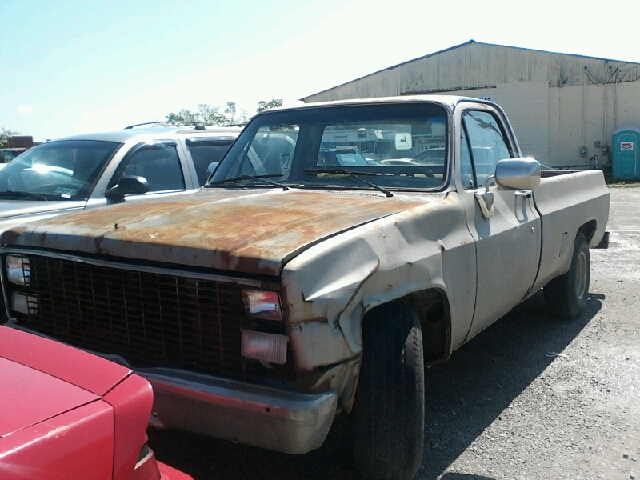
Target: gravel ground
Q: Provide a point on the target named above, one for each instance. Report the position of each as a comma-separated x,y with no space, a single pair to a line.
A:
528,398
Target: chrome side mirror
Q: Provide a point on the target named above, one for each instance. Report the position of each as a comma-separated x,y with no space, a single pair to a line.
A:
518,174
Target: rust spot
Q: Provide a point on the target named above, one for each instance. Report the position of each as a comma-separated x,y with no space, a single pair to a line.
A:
310,320
10,236
43,239
307,381
240,231
97,241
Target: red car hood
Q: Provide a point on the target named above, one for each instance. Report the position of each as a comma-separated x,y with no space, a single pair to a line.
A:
249,231
41,379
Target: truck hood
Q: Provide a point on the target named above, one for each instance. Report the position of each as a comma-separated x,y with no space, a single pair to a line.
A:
249,231
10,209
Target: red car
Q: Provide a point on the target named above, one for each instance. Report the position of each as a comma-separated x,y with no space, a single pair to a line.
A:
67,414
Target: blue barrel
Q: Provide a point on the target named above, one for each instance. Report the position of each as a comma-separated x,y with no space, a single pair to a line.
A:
625,156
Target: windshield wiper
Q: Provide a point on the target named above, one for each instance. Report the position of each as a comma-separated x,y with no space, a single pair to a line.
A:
357,175
260,178
22,193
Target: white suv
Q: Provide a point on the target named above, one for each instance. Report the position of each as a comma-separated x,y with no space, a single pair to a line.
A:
98,169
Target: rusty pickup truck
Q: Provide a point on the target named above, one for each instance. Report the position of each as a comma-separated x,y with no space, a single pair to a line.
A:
336,252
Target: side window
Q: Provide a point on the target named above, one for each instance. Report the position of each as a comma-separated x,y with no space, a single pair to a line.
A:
270,152
204,151
159,164
466,167
487,143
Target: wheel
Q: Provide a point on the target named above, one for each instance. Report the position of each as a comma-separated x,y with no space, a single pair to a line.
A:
566,296
389,401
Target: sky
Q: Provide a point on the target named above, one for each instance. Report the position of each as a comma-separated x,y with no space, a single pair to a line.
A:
83,66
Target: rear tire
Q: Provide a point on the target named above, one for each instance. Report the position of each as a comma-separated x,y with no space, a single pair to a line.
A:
389,401
566,296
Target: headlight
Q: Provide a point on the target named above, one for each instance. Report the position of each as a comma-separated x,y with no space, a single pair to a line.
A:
22,303
262,304
18,270
265,347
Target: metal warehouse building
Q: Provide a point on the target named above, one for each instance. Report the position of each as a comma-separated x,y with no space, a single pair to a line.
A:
564,108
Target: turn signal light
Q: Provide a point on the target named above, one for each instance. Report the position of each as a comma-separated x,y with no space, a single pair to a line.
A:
262,304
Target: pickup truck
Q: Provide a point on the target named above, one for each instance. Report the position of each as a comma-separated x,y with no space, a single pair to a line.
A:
326,264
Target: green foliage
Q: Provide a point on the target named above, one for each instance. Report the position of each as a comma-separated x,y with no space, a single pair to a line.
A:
211,115
5,134
274,102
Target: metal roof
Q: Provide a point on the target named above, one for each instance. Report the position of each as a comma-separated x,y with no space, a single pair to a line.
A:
459,46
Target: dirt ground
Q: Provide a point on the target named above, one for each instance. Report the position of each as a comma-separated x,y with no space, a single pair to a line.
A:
528,398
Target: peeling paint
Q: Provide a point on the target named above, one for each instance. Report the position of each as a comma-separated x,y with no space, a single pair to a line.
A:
249,232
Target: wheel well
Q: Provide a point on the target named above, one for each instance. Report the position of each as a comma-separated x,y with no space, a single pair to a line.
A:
432,308
588,229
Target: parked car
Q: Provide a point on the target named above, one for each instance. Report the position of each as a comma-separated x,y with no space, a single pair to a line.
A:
8,154
98,169
288,292
67,414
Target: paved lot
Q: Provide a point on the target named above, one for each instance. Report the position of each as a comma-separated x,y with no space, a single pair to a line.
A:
529,398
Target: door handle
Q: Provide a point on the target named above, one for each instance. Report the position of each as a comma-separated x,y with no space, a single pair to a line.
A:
485,199
523,193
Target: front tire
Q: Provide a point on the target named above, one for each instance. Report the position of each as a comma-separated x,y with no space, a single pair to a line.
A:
389,402
566,296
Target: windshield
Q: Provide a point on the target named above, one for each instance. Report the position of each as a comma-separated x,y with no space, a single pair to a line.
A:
400,146
62,170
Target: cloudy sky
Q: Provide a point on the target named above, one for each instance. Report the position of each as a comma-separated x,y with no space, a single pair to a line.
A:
80,66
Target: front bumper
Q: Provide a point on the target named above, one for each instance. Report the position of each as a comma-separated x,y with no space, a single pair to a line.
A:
267,417
271,418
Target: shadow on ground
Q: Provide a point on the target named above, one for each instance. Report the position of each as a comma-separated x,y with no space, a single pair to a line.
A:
464,396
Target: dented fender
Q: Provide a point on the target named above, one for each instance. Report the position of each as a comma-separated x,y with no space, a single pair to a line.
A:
329,288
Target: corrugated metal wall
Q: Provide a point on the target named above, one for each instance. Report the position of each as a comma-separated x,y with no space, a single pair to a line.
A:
475,65
527,106
557,103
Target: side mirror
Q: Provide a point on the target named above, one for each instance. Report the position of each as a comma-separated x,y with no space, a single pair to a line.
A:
211,168
518,174
130,185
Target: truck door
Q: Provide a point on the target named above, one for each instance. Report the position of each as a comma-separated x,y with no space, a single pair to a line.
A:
508,240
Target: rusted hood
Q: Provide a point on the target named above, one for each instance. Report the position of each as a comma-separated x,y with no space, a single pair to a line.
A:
250,231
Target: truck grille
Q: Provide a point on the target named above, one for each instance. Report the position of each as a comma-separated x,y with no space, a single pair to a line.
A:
152,320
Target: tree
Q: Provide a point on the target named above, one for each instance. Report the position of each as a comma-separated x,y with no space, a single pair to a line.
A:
274,102
230,111
210,114
6,134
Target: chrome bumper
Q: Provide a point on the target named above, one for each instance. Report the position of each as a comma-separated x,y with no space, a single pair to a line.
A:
275,419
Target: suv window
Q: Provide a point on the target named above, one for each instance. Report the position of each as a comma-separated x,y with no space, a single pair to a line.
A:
205,151
158,163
